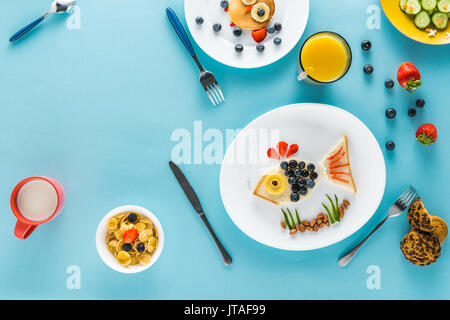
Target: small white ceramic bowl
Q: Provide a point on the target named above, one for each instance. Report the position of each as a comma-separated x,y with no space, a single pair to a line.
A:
108,258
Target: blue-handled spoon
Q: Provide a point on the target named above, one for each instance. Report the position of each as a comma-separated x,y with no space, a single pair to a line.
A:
58,6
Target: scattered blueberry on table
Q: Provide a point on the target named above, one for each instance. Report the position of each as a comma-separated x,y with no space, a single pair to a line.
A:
420,103
224,4
278,26
390,145
412,112
260,47
239,48
368,69
271,29
237,32
277,41
389,83
391,113
217,27
199,20
366,45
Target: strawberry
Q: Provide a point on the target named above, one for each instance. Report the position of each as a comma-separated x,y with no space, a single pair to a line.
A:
259,35
273,154
232,24
249,8
130,235
282,148
426,134
293,148
408,76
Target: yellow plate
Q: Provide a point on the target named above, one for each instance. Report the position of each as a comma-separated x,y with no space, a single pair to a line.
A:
405,24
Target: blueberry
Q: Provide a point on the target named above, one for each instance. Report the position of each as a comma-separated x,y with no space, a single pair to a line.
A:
278,26
310,184
224,4
289,172
292,180
390,145
217,27
391,113
295,197
305,173
237,32
199,20
284,165
261,12
368,69
239,48
297,172
132,217
277,41
260,47
270,30
293,164
140,247
295,188
366,45
412,112
314,175
303,191
311,167
126,247
420,103
301,182
301,164
389,84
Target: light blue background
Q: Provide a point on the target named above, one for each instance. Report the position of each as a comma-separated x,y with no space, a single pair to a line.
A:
95,109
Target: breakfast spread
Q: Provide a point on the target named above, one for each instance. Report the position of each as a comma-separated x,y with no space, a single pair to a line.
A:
422,245
426,13
132,238
336,166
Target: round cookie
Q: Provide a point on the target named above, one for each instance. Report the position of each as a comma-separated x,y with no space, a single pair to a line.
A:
418,216
440,229
242,17
420,248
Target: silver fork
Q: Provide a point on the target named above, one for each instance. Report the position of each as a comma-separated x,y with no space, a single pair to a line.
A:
207,79
403,202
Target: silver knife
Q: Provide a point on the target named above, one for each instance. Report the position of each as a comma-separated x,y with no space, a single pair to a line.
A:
192,197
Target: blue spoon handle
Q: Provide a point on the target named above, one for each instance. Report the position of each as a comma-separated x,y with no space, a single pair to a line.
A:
176,24
22,32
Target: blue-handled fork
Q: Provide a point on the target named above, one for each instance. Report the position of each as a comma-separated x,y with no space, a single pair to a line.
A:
207,79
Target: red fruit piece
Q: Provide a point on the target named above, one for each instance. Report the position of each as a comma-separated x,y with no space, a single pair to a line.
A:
226,9
408,76
249,8
259,35
293,148
273,154
232,24
282,148
426,134
130,236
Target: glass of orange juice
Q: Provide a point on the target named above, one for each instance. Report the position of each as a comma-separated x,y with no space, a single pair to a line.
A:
325,57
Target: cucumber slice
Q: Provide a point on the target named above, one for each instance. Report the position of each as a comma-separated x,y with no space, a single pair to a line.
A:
429,4
402,5
413,7
440,20
422,20
444,6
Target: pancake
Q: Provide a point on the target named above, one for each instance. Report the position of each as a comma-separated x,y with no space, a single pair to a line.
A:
243,18
421,249
440,229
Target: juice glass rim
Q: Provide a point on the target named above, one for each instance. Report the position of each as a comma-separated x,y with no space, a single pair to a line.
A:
346,43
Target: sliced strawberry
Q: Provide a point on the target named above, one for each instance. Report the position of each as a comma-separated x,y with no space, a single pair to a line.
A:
282,148
130,236
273,154
259,35
226,9
293,148
232,24
249,8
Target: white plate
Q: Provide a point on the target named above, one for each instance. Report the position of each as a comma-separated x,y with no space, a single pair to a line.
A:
220,46
316,128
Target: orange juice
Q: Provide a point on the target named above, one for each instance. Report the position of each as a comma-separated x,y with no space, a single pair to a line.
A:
325,57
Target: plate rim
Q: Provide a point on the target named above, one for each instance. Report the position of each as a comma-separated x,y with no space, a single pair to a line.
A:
323,244
256,66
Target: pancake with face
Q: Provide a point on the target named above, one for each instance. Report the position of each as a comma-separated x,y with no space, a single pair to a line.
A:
251,14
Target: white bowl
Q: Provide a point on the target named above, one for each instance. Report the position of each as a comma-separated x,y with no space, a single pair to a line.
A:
108,258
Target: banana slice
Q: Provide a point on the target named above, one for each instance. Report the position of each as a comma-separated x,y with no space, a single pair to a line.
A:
260,12
249,2
275,184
